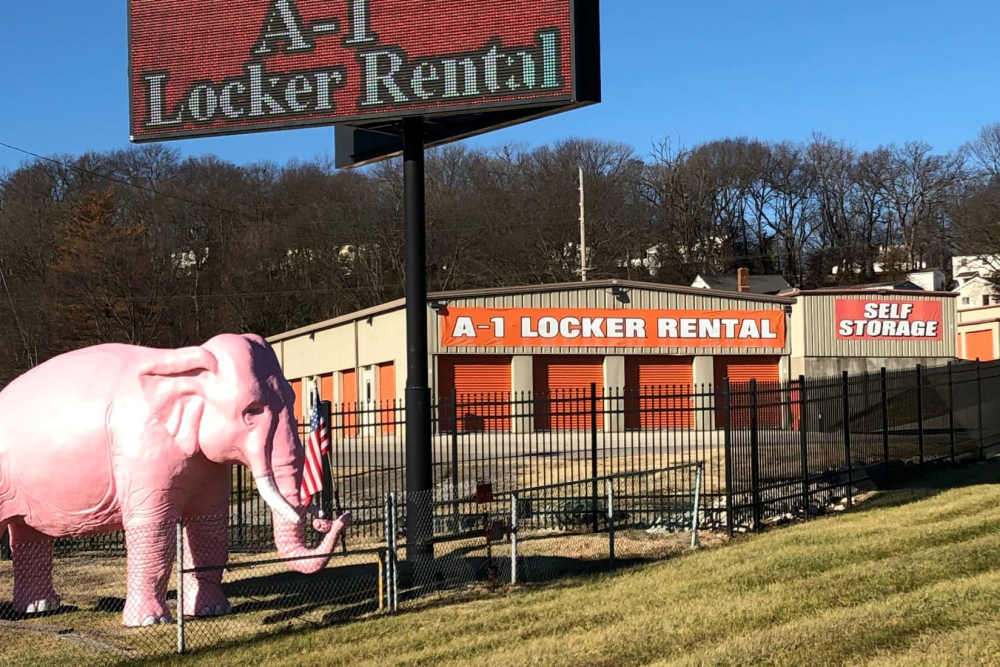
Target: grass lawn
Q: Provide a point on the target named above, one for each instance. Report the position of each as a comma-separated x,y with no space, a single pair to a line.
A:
911,577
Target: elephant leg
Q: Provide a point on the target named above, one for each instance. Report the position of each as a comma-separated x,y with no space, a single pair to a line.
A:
206,543
150,555
31,553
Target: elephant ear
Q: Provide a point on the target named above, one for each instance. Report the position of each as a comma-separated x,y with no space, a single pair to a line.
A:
256,338
173,387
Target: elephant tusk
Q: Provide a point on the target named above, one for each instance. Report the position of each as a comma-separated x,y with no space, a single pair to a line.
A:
269,492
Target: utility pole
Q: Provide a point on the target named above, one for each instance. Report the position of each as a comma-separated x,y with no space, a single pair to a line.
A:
583,233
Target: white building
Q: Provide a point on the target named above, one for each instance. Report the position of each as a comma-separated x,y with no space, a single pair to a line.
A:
929,280
972,277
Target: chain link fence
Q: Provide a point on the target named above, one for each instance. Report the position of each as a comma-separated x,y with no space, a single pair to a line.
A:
595,524
65,601
252,595
218,597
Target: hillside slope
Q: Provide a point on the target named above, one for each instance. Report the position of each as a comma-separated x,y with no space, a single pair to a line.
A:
913,577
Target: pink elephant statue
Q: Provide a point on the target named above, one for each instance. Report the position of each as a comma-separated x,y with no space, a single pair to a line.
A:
118,436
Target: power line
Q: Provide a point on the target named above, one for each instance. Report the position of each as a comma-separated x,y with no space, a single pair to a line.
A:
148,189
122,181
187,297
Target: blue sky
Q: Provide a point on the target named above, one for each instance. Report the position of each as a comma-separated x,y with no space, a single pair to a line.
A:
869,73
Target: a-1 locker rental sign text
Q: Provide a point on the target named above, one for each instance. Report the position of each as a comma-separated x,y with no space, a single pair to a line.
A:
224,66
567,327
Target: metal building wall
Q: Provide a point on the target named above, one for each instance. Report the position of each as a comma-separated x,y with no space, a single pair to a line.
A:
818,330
602,298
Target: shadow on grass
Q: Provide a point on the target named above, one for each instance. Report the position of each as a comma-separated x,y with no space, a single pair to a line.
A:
458,570
907,484
290,595
7,612
350,593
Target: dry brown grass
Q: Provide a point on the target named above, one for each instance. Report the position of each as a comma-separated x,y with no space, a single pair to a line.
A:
910,579
267,599
914,580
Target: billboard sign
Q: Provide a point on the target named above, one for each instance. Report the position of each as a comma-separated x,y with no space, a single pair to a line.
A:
884,319
226,66
565,327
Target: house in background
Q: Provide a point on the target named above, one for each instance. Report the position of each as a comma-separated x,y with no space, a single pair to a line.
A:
929,280
742,281
972,275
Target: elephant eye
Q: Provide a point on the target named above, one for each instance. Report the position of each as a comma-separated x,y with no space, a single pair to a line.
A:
253,410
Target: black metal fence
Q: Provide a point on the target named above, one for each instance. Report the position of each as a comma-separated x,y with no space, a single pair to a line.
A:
769,450
509,441
797,448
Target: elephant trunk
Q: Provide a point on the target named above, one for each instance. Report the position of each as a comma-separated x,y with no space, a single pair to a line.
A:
290,540
278,475
274,456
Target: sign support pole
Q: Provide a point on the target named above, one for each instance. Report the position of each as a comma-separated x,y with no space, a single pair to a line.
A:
419,508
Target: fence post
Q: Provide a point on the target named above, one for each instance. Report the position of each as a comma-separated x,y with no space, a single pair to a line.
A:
454,457
758,510
951,413
804,445
326,469
391,575
885,419
394,556
611,521
726,397
386,530
593,454
920,412
979,402
699,471
180,586
513,537
845,390
239,503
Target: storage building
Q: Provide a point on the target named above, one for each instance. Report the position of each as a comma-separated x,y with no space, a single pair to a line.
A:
863,330
979,333
547,340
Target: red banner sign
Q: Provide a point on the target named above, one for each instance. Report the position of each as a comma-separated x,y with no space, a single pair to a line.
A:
544,327
224,66
884,319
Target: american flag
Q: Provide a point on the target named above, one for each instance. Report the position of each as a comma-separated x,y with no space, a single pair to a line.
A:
316,448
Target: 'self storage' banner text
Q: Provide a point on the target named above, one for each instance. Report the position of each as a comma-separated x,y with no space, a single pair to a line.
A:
884,319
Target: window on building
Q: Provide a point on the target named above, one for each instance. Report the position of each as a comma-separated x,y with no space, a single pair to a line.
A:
965,301
986,299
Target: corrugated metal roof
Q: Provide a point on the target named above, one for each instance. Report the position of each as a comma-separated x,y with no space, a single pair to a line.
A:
759,284
867,292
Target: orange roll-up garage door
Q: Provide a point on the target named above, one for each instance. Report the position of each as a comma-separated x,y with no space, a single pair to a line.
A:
740,370
326,387
562,391
482,385
297,410
387,397
658,392
348,407
979,345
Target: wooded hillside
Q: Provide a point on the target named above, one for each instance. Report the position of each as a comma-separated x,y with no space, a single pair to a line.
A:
143,247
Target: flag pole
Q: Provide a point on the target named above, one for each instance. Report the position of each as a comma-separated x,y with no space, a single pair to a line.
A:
326,497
